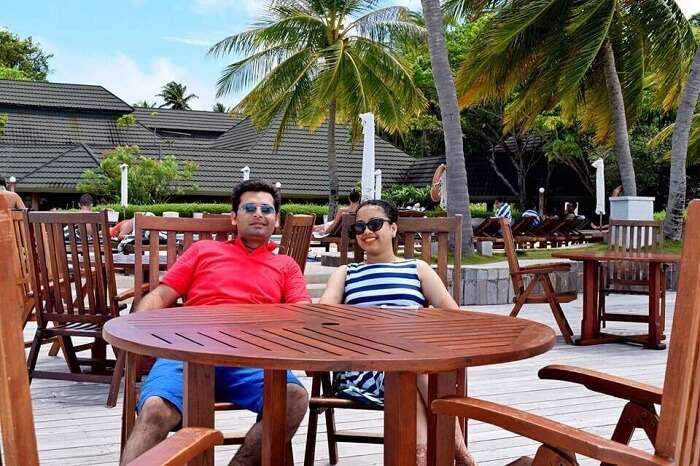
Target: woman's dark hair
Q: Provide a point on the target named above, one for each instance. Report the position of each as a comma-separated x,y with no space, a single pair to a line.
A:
389,209
255,186
354,196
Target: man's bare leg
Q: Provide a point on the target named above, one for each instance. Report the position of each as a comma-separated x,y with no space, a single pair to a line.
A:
156,419
251,451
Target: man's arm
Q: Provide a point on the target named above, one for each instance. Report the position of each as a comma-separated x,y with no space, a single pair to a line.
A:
162,296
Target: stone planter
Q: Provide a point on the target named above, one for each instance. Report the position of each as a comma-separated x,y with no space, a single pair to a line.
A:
632,208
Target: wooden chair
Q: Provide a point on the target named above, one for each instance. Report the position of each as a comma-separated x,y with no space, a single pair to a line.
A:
21,233
17,422
75,288
631,278
323,399
296,238
191,230
676,438
539,274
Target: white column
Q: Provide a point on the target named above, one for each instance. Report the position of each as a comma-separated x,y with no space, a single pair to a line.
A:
377,183
125,184
367,156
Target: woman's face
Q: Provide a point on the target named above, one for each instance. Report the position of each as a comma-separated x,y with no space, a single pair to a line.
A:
375,242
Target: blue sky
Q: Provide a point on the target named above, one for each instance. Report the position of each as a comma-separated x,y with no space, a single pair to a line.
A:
133,47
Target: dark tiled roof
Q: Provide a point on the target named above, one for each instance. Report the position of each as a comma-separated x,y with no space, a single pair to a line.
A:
55,95
36,126
422,170
243,136
186,120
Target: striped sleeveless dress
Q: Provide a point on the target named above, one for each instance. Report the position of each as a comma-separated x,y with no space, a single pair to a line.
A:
394,284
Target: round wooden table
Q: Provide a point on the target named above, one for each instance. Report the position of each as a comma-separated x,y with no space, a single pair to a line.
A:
315,337
590,324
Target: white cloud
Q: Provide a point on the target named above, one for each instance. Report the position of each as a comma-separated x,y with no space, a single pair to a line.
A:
689,7
413,5
122,76
199,42
251,7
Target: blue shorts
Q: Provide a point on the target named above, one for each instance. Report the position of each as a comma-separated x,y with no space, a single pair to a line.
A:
240,385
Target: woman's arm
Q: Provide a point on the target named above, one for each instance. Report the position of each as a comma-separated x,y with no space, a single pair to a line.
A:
433,288
335,288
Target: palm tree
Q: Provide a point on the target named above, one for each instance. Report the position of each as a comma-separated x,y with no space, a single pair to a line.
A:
174,96
313,61
589,57
456,173
219,108
145,104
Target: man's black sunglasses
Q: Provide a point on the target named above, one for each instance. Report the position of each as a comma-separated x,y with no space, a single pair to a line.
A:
374,224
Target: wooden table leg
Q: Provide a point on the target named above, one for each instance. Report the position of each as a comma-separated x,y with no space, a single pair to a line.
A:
400,389
590,323
199,404
441,429
654,340
274,418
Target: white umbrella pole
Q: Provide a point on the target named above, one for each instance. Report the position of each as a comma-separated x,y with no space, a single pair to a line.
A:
125,185
367,156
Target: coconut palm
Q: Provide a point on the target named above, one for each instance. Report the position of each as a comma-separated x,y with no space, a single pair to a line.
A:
456,173
312,61
589,57
145,104
218,108
175,96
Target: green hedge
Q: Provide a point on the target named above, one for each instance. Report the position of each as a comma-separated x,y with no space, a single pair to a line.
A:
187,209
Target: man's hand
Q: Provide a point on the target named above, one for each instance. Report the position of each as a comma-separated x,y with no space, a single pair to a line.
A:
162,296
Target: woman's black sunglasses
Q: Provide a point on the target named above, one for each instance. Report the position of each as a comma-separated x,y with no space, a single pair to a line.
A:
374,224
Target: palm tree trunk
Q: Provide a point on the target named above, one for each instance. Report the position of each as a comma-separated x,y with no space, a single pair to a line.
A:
673,225
456,173
622,143
332,163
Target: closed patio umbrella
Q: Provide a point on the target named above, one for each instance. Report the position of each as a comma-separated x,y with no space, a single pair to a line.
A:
599,188
125,184
368,191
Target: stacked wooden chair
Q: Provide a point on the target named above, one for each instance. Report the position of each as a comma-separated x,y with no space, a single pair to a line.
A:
674,434
323,400
16,422
296,238
539,274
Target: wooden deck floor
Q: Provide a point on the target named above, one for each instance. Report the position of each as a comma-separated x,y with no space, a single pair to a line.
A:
74,427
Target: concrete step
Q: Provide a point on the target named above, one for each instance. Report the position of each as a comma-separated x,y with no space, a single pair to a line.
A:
316,289
315,278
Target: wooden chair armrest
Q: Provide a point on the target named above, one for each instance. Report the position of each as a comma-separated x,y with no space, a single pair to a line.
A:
543,268
547,431
128,294
180,448
604,383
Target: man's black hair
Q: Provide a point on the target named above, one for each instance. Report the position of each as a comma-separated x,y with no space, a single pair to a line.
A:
389,209
255,186
86,200
354,196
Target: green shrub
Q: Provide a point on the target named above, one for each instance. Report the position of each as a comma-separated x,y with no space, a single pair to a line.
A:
478,210
406,195
661,216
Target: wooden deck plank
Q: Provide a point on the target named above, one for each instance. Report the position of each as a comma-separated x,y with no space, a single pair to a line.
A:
74,428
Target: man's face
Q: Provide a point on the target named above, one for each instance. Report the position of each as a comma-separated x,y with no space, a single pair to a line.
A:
257,224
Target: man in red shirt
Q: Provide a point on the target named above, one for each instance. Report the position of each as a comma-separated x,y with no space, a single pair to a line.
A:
243,271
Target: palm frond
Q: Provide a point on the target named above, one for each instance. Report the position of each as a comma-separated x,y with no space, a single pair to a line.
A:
693,141
470,9
381,25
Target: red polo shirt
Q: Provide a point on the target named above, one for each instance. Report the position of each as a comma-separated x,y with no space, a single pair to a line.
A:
214,272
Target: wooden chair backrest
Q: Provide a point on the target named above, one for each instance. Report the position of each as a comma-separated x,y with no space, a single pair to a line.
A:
208,215
20,227
188,230
512,256
678,436
632,236
296,237
346,221
74,276
16,419
424,231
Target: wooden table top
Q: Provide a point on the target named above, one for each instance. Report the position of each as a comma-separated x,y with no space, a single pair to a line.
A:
329,337
605,256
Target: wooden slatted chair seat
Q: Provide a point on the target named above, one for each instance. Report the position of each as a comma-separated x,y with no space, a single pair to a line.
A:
416,234
77,292
215,227
19,443
539,276
674,433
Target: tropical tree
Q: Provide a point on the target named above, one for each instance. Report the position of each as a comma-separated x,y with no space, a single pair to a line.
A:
219,108
588,57
22,58
175,96
456,173
316,61
145,104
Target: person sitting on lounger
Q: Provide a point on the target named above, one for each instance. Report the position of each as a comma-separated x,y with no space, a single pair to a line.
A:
325,229
532,212
502,209
386,280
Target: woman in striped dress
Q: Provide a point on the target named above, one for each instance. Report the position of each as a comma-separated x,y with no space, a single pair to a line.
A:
386,280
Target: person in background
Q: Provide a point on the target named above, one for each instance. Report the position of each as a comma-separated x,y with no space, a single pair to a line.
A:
327,228
532,212
502,209
85,203
385,280
12,199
